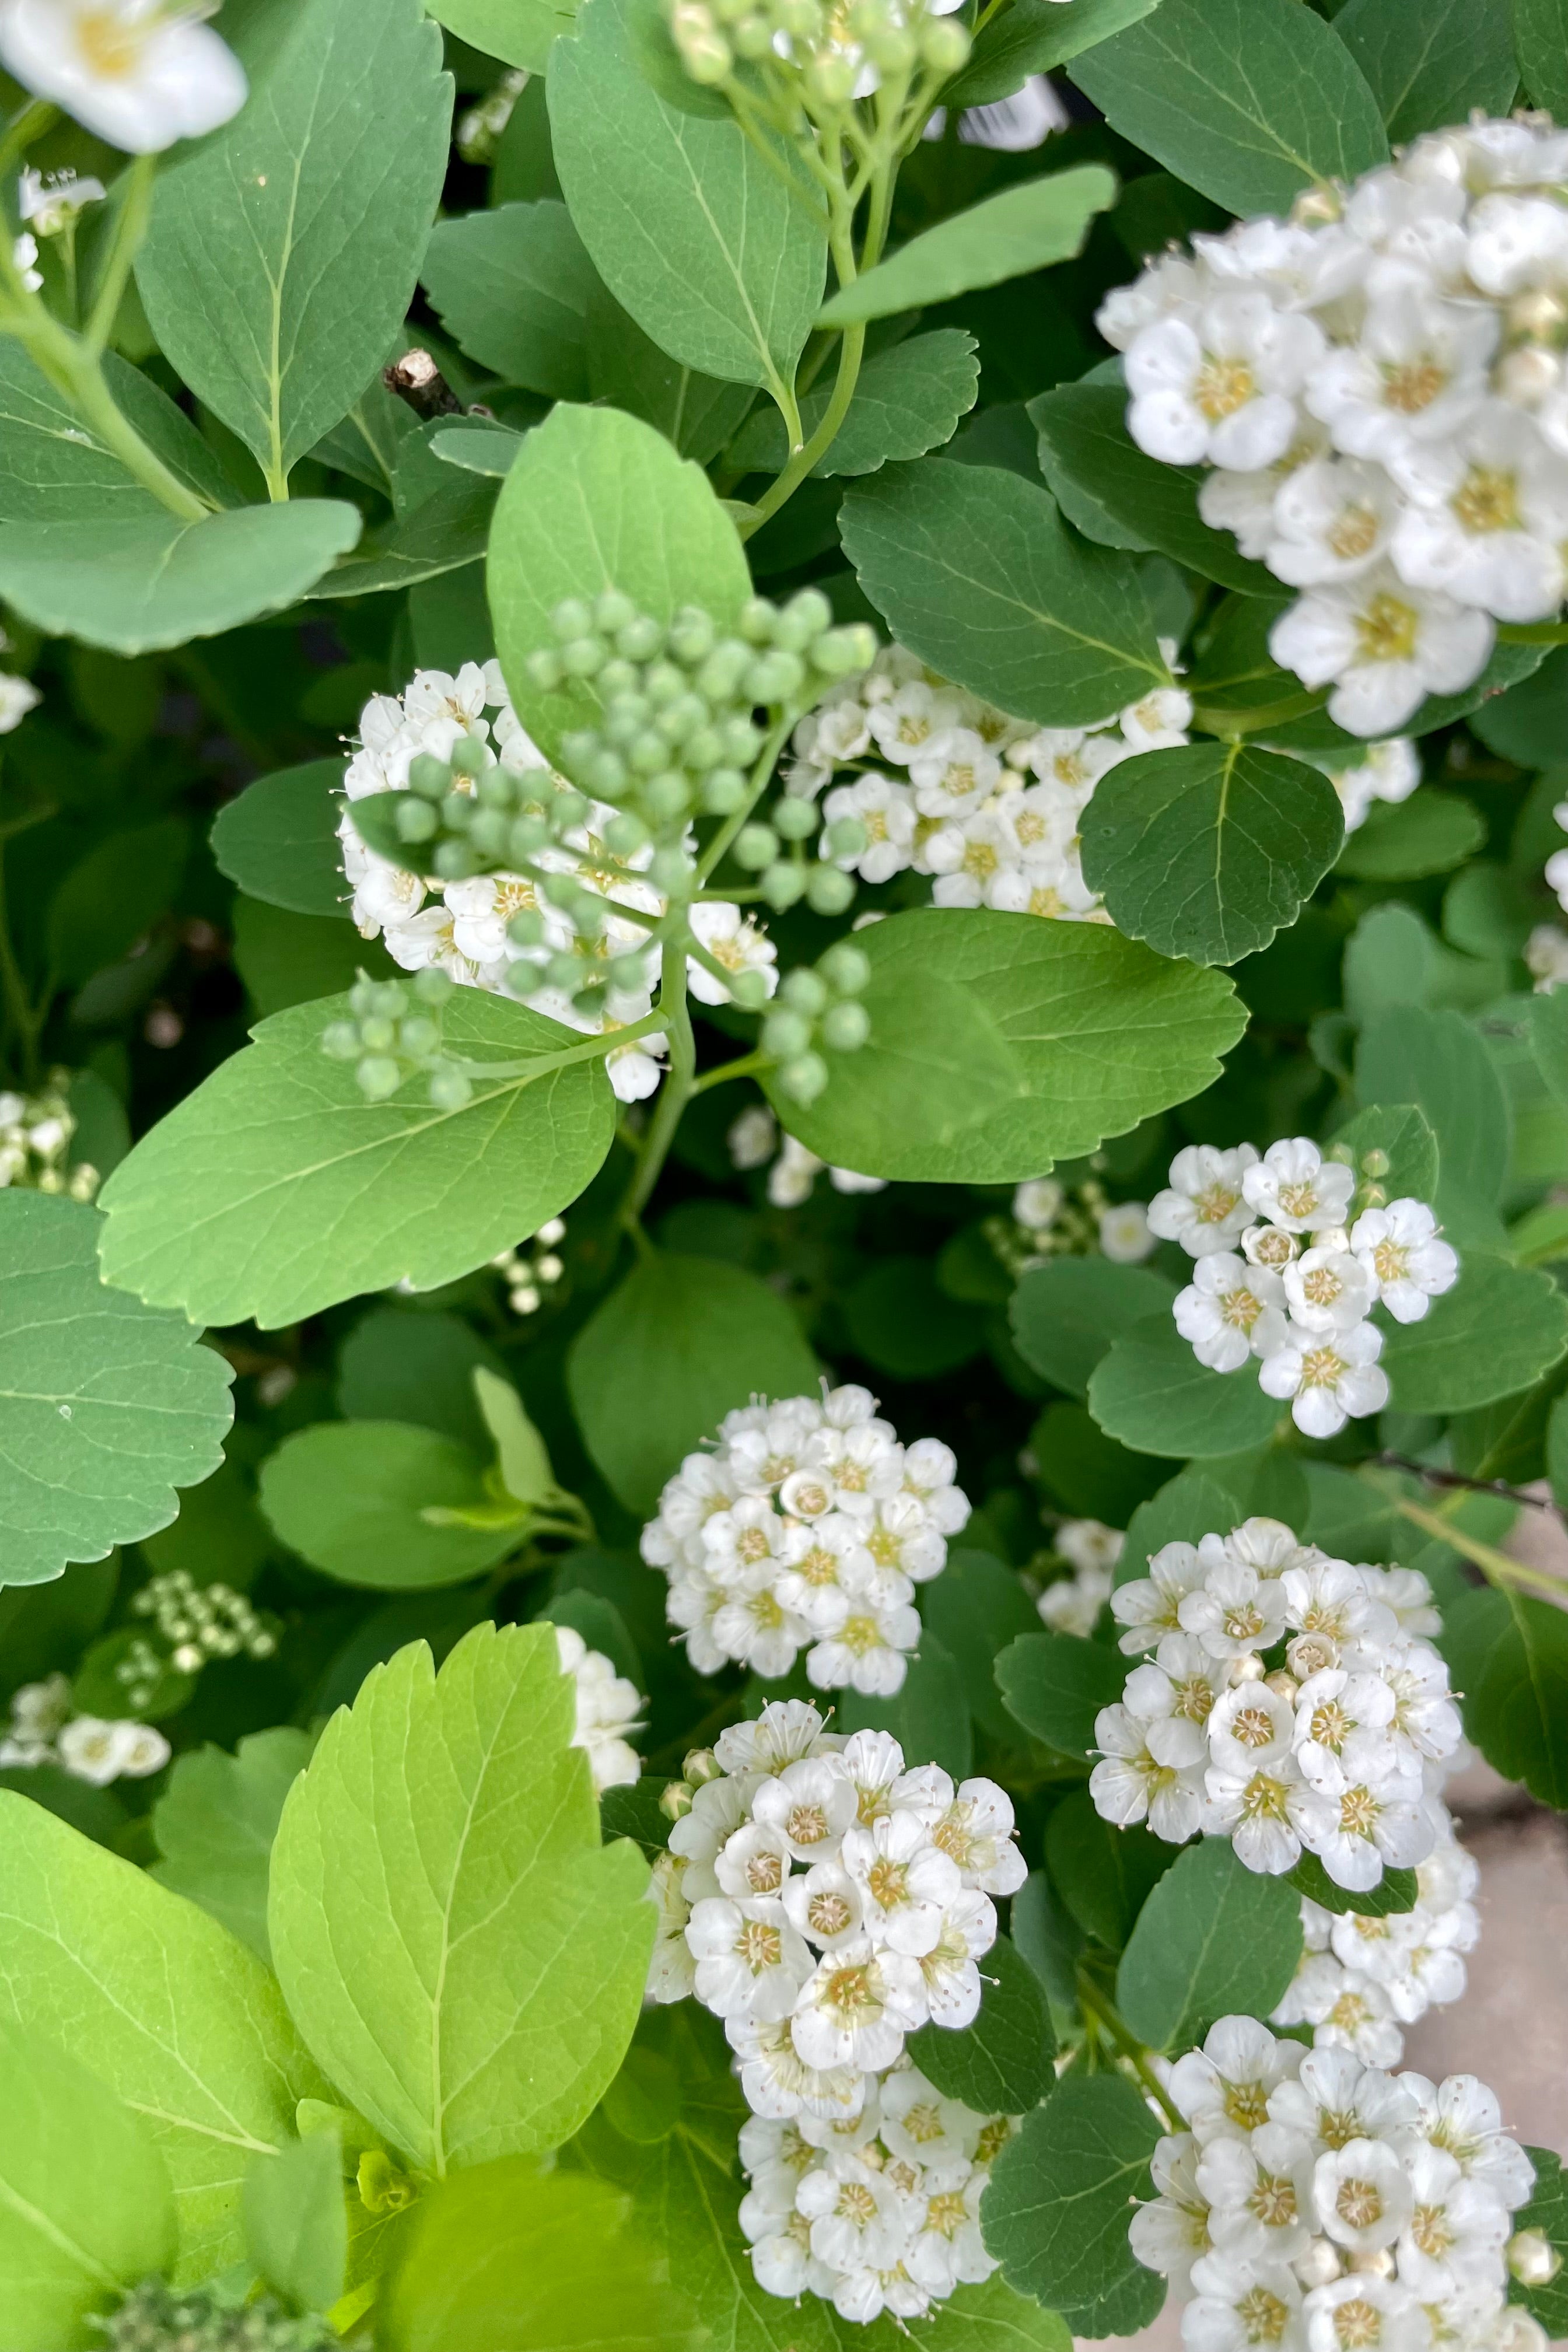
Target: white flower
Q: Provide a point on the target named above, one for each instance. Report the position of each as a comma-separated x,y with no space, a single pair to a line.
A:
1329,1379
1259,2190
1383,646
1231,1310
1251,1725
905,1879
752,1139
854,2215
811,1804
1235,1612
1456,2228
1328,1290
608,1708
1038,1205
1336,2099
1331,519
1224,2089
1205,1206
858,2007
1160,721
1171,2234
1364,2313
1546,949
139,74
1390,771
49,205
1264,1811
1414,375
1132,1783
1489,506
1240,2305
92,1749
1124,1235
1399,1247
886,812
23,253
869,1651
1150,1606
948,1978
1340,1729
1222,386
1297,1189
17,697
1358,1826
733,940
1363,2194
1462,2116
748,1958
973,1825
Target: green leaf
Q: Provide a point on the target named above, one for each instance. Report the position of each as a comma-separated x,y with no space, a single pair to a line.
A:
139,583
86,2208
1540,35
1400,840
296,2227
215,1823
900,1319
1195,1503
443,533
487,449
1084,441
658,1364
1103,1874
1055,1684
399,1363
519,32
689,227
513,288
1151,1392
54,469
286,960
1031,38
163,2005
1214,1939
112,895
1430,66
594,500
1526,724
974,1608
1397,1891
1065,1313
930,1714
1509,1655
1000,1043
1497,1330
280,1140
1437,1061
279,839
283,250
462,1954
351,1497
1402,1134
1023,228
1002,2064
976,571
1249,102
628,370
504,2257
1060,2196
1547,2212
521,1454
1549,1042
907,400
1208,850
106,1407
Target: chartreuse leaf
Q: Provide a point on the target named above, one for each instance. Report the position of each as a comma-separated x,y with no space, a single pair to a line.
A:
1208,849
1026,227
1060,2196
215,1823
513,288
1055,1684
1083,435
596,500
86,2208
105,1406
1214,1939
279,839
656,1367
513,2259
1495,1332
1065,1313
1540,35
907,400
1000,1043
296,2228
1001,2064
1395,1891
162,2004
351,1497
1402,1134
1429,66
283,250
519,32
1031,38
275,1187
1249,102
460,1952
973,570
1509,1655
688,225
1152,1393
1547,2212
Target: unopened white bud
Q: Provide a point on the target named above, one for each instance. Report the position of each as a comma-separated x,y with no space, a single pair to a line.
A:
1532,2259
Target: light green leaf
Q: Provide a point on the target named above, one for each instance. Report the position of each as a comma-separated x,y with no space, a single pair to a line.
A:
53,466
279,839
1033,36
215,1823
1060,2196
281,1141
688,227
1540,35
521,1454
513,288
1000,1043
1509,1655
86,2208
1055,1684
974,571
1400,840
1495,1331
1249,102
1001,2064
1208,850
462,1954
519,32
351,1497
596,500
136,583
1430,66
163,2005
1026,227
628,370
283,249
907,400
1437,1061
106,1407
296,2226
1152,1393
1402,1134
1214,1939
1084,441
929,1716
656,1367
487,449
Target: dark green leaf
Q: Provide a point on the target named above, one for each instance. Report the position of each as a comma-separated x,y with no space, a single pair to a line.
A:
1529,724
519,32
1026,227
1509,1655
1497,1330
1065,1313
1103,1874
400,1363
115,895
350,1497
1397,1891
1055,1685
442,533
902,1322
513,287
1002,2064
1540,35
1437,1061
974,1608
1088,1473
1050,1939
1195,1502
930,1716
907,400
1430,66
1214,1939
1402,840
625,368
1151,1392
1402,1134
1059,2200
1031,38
1547,2212
279,839
53,468
286,959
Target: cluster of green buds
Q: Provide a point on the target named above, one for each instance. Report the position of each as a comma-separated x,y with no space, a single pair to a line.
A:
154,2318
792,823
467,814
675,1799
1372,1169
1048,1220
36,1134
817,1004
392,1033
829,55
199,1623
529,1276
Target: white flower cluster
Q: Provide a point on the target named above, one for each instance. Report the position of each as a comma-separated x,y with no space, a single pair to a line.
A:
1316,2204
1390,771
807,1523
36,1133
608,1708
464,930
753,1141
138,74
988,805
529,1279
1338,1749
1281,1278
1378,385
825,1903
44,1731
1073,1603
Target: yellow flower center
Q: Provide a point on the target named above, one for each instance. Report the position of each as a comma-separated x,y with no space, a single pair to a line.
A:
1488,499
1385,631
1222,387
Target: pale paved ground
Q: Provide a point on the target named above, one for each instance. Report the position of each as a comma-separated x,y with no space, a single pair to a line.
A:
1512,2028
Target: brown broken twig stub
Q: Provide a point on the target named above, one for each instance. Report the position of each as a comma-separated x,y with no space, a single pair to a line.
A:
417,379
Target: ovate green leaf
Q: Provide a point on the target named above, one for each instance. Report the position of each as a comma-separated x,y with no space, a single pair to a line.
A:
519,32
1509,1655
1397,1891
279,839
1026,227
1540,35
1060,2196
1055,1684
1151,1392
1401,1133
513,288
1547,2212
1001,2064
1065,1313
1495,1331
215,1823
907,400
296,2226
1427,66
1214,1939
1400,840
349,1496
1031,38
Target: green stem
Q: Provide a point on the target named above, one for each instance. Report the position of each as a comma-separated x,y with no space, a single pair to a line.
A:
1095,2005
129,231
1501,1571
676,1091
592,1049
746,1066
716,848
1533,632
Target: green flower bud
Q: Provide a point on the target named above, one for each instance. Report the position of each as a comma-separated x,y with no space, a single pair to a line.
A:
434,986
389,1000
489,834
647,752
605,774
701,1765
757,620
803,1078
454,861
749,989
786,1032
775,677
567,810
783,884
468,756
720,676
589,999
564,971
756,846
667,796
944,45
497,788
723,792
702,750
830,81
669,871
619,677
429,777
742,743
584,657
829,891
340,1040
626,972
753,37
542,669
417,1037
675,1801
571,618
841,652
450,1089
526,837
692,635
892,50
845,968
362,997
641,639
809,610
680,719
662,682
625,835
846,1026
579,744
416,819
457,812
804,991
378,1077
526,928
707,60
613,610
794,819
